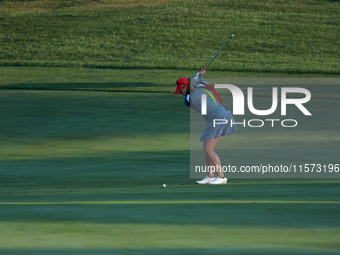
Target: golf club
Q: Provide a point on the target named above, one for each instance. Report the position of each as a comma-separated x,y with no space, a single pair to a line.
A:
205,68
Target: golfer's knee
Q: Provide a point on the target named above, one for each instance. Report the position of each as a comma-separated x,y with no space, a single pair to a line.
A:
208,149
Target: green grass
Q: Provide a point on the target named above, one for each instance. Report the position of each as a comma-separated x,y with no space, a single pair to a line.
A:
112,80
64,156
69,141
270,37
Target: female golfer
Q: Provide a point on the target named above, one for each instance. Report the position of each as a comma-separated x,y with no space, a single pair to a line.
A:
211,135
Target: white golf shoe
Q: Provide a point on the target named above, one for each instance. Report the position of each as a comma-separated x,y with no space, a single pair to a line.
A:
205,180
219,180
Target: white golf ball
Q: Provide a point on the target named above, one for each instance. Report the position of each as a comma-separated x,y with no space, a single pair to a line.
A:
164,185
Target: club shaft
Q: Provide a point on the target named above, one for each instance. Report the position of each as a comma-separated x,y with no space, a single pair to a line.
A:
205,68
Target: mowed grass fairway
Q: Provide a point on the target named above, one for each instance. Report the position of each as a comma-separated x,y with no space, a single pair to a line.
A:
82,173
90,128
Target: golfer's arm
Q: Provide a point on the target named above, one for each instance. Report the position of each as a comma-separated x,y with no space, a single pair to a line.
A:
202,80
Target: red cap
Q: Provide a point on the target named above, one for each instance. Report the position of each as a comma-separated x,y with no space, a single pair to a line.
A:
181,83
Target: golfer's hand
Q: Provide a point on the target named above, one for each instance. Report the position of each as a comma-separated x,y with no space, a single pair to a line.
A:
202,73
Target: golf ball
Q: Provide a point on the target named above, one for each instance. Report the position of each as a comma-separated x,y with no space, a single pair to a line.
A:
164,185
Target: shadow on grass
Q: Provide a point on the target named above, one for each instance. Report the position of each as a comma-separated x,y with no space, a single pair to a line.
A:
105,87
98,180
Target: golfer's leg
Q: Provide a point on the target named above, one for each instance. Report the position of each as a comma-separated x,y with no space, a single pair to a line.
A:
211,156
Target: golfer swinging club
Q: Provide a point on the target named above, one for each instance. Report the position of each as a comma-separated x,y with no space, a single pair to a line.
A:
211,135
